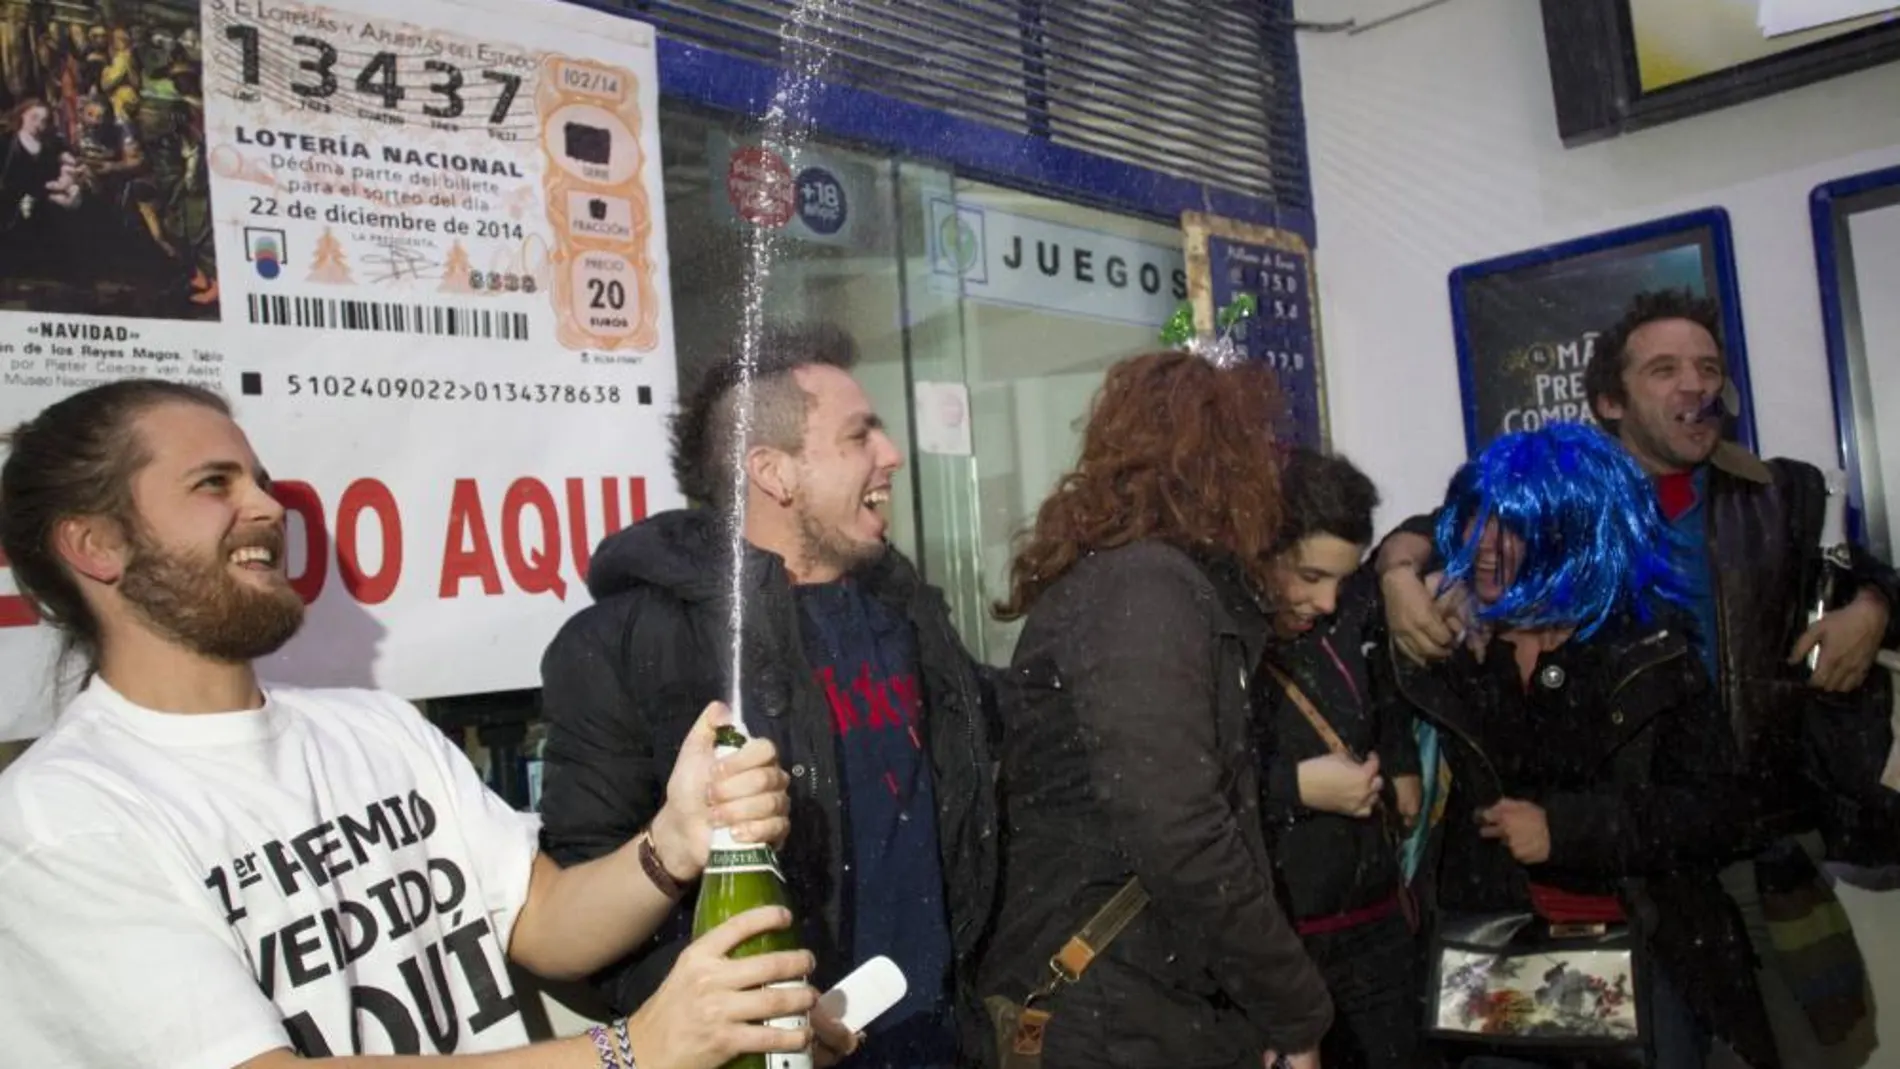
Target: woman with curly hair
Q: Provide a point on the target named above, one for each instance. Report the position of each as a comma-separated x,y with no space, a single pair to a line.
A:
1127,755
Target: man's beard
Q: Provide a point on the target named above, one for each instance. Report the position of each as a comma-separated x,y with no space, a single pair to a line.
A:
1654,438
201,606
826,548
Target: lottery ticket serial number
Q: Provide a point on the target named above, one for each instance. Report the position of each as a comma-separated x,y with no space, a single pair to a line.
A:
398,388
317,70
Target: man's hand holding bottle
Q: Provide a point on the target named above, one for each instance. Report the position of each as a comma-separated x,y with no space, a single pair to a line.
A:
745,792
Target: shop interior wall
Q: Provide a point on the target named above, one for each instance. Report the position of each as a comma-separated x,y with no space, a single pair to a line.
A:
1434,144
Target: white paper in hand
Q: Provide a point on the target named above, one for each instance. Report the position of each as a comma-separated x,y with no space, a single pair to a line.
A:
870,990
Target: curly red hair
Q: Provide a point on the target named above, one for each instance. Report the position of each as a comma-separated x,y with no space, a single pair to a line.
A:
1175,450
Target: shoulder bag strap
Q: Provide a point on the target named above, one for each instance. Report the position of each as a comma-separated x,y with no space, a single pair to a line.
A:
1089,941
1300,701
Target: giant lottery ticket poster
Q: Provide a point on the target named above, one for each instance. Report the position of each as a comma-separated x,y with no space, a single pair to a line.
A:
419,244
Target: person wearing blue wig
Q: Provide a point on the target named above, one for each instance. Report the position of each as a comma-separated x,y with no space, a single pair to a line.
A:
1593,777
1586,557
1812,739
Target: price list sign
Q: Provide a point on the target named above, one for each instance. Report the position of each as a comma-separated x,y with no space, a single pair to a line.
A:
1227,259
420,244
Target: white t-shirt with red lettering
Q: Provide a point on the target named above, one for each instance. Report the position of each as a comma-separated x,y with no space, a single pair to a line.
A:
327,872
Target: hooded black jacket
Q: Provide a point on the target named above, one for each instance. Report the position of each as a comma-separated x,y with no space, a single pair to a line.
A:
627,677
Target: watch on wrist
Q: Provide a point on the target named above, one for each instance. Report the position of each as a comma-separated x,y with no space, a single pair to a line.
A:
656,869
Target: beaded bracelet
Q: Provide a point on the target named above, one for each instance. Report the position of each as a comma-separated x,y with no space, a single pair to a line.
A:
625,1041
603,1047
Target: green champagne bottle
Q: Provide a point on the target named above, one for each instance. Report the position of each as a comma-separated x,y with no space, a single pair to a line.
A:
738,877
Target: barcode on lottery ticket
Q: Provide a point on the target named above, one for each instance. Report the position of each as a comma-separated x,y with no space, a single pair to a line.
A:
328,313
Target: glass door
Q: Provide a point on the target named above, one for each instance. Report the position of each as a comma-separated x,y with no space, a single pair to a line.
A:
833,214
985,318
1017,305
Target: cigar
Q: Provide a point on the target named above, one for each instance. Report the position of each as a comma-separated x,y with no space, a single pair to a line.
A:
1711,409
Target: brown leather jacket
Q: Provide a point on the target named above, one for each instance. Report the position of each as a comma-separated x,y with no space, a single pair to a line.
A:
1764,523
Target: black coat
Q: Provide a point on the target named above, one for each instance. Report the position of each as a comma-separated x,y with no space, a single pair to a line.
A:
1327,863
1814,760
1127,752
626,679
1621,740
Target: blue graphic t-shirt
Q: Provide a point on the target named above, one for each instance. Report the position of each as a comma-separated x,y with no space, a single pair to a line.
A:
864,657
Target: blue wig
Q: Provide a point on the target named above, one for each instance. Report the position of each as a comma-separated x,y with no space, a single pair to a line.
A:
1595,543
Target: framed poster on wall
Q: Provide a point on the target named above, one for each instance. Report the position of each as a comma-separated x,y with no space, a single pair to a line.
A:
1526,324
439,304
1617,66
1857,253
1225,259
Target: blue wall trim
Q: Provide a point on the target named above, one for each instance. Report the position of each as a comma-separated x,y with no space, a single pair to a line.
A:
1821,207
971,149
1281,13
741,85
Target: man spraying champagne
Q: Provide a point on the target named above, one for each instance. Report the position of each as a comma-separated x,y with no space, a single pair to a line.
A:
847,662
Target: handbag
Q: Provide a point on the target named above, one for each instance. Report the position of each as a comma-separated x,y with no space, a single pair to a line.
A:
1557,983
1020,1026
1518,983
